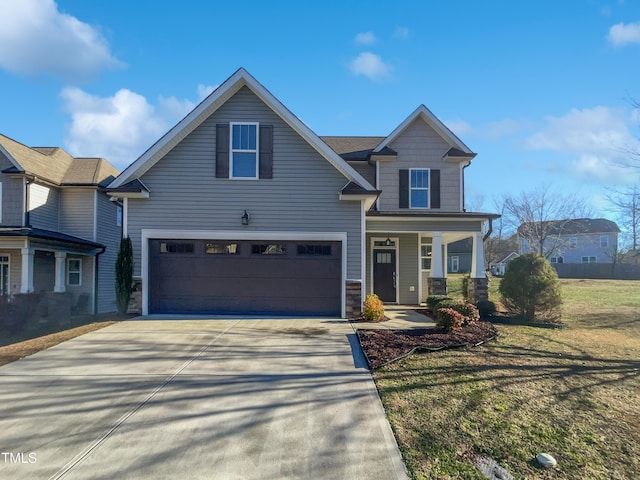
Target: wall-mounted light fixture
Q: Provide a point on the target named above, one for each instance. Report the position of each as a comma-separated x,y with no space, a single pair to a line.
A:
388,241
245,218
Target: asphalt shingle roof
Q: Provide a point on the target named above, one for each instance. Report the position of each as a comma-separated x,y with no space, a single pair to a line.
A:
57,166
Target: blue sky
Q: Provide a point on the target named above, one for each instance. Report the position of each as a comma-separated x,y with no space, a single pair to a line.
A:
539,89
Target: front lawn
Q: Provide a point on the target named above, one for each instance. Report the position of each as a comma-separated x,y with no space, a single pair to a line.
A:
574,393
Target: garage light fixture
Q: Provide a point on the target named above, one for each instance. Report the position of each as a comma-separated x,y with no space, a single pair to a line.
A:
245,218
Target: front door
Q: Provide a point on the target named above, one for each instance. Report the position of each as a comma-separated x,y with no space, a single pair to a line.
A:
384,274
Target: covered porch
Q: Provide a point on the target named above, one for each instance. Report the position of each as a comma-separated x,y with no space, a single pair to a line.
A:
406,254
58,269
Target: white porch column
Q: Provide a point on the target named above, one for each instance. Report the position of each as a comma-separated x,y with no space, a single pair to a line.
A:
26,285
61,258
436,259
477,257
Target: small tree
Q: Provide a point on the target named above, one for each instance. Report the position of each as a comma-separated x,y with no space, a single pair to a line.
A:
530,288
124,275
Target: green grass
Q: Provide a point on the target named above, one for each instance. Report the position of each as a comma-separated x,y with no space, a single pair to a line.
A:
574,393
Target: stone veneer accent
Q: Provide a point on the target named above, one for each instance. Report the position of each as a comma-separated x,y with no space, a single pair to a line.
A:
478,289
353,299
135,303
437,286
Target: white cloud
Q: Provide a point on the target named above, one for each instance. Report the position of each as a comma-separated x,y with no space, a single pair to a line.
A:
37,39
492,131
401,33
121,127
621,34
370,66
205,90
596,138
365,38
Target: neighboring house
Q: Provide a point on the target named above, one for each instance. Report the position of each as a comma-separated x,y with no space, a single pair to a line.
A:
500,267
459,256
582,240
59,231
242,209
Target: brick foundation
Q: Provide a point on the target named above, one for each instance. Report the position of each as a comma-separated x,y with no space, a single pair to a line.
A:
353,299
437,286
478,289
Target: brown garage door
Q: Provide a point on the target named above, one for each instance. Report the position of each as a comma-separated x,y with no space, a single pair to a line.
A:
245,277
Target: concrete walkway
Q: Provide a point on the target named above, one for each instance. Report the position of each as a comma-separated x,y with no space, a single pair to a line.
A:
210,399
401,317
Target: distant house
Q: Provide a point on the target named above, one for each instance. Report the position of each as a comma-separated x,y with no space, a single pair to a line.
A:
575,241
500,267
459,256
59,231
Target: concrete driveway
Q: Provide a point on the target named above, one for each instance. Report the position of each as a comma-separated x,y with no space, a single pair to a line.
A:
218,398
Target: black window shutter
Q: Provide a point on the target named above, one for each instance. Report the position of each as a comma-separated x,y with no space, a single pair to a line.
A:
222,150
266,152
403,188
435,188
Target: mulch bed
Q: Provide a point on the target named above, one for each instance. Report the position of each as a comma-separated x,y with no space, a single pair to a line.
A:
384,346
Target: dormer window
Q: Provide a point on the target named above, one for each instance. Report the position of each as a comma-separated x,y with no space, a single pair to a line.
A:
419,188
244,150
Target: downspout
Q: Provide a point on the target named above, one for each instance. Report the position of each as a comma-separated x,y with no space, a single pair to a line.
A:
95,285
464,209
489,231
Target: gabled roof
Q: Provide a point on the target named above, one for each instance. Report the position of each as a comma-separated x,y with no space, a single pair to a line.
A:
575,226
55,165
425,114
209,105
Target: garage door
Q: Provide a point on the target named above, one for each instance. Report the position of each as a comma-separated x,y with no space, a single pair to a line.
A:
245,277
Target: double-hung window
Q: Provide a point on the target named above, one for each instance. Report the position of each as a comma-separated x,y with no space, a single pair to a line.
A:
74,272
419,188
244,150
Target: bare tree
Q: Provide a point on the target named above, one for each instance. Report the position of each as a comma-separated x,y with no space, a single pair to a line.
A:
502,240
542,216
626,204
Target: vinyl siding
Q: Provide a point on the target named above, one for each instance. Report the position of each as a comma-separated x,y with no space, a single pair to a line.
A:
366,170
301,197
109,235
76,212
588,246
12,201
44,206
419,146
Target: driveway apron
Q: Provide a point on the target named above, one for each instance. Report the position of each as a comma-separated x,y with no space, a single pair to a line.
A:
197,399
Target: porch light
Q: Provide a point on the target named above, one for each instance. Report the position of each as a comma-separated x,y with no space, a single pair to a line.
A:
388,242
245,218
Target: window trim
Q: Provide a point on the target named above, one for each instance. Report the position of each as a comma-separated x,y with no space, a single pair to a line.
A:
426,257
457,269
589,257
118,215
233,150
79,272
606,241
427,189
6,262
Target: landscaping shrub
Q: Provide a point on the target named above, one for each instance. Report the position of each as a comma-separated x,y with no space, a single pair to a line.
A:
372,308
433,300
124,275
467,314
486,308
449,319
530,288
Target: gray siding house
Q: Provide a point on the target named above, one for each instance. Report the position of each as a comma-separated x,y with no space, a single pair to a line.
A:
242,209
59,231
576,241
